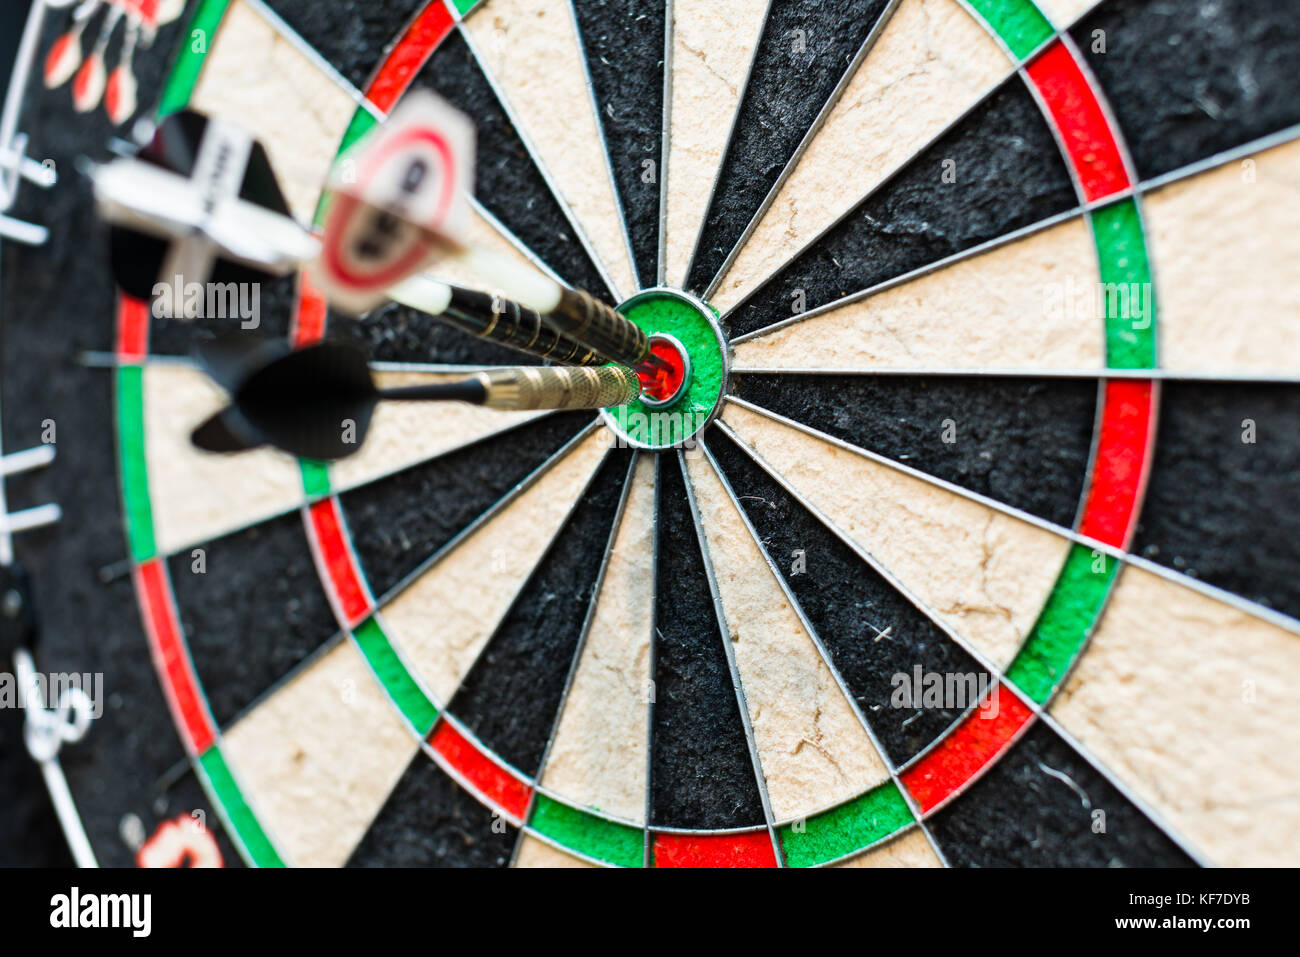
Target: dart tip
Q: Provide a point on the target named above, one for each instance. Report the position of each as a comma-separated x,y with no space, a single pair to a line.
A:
666,372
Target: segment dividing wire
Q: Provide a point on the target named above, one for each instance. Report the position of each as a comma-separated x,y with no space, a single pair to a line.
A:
533,153
604,148
440,554
731,133
592,603
1134,188
822,115
665,146
1162,375
652,674
736,683
1037,711
829,663
1258,611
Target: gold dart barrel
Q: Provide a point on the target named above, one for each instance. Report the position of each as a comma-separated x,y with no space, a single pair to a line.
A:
572,387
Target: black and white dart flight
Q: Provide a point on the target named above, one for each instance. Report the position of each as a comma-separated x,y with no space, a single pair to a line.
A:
317,402
198,205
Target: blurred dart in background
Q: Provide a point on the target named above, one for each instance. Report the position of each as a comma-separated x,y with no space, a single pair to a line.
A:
198,205
317,402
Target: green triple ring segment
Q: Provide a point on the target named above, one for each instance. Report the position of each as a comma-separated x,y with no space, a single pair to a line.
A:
694,324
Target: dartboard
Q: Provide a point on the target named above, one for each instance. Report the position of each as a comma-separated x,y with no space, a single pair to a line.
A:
972,541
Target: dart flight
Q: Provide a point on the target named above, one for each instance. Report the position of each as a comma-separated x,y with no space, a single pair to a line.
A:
198,204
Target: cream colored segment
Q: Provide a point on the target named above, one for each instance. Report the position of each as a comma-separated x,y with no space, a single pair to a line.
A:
980,571
319,757
930,64
1227,260
197,496
813,749
442,621
535,853
598,756
531,49
713,44
1192,703
1063,13
406,433
910,850
1031,304
250,66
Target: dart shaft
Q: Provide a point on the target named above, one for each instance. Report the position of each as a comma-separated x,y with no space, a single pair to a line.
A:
559,388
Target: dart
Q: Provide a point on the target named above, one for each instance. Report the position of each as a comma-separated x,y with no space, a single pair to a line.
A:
88,87
200,202
317,402
170,219
120,96
662,376
65,54
400,204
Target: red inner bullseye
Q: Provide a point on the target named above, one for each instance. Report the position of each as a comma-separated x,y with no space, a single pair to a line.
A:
663,381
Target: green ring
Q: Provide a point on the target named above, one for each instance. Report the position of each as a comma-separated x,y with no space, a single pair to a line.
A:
694,323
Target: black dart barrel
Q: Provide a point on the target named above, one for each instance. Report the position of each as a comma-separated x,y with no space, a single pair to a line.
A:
516,327
599,327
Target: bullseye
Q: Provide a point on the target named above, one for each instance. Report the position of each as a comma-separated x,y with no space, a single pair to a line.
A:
663,382
683,377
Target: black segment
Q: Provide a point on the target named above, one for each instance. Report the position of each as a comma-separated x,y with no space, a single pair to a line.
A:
431,821
1024,813
270,306
804,52
1008,174
872,633
1022,441
352,37
624,45
511,697
507,181
396,333
701,772
253,612
399,522
1188,80
1220,507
